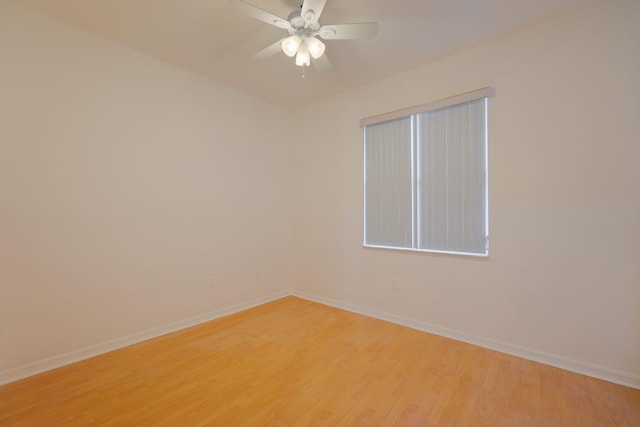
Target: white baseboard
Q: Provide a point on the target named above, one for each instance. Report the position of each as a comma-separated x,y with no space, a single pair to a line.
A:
617,377
40,366
561,362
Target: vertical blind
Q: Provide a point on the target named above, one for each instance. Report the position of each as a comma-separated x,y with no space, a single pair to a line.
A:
388,190
426,180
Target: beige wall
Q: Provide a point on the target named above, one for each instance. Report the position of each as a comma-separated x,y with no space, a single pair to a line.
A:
132,194
562,282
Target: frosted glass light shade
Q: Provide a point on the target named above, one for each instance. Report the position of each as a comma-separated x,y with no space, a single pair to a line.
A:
303,58
315,46
290,45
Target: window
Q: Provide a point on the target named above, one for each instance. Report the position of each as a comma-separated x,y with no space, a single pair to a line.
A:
425,177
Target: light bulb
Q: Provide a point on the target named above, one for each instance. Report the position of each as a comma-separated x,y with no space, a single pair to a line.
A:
290,45
302,58
316,47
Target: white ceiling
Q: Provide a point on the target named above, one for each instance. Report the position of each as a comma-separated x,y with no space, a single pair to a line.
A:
208,38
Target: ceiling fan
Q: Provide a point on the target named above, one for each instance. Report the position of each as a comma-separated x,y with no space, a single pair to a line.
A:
304,28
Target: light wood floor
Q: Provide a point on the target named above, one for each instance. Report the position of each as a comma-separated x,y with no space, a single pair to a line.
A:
297,363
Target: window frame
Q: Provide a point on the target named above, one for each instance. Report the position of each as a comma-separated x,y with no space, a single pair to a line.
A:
412,113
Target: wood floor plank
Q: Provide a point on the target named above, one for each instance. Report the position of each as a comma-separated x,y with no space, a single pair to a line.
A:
297,363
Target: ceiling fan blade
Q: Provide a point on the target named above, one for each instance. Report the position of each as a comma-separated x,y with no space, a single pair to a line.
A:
269,51
314,6
322,63
363,30
259,14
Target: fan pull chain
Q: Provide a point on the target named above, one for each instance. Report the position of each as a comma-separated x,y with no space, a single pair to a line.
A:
303,68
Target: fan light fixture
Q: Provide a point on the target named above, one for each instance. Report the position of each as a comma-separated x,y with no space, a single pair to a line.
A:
316,47
290,45
302,57
304,48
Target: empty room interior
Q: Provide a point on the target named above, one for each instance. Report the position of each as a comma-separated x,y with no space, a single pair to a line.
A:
292,213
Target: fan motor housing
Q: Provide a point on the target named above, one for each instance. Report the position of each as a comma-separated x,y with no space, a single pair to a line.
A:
298,22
